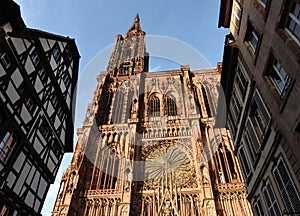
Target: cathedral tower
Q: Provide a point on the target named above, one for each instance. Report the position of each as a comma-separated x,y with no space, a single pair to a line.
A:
149,145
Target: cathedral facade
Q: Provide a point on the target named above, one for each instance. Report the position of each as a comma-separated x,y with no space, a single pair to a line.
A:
151,144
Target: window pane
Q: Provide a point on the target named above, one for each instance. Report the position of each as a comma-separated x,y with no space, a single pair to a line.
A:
294,21
154,107
244,163
6,145
271,200
5,60
56,53
279,77
34,58
296,9
252,37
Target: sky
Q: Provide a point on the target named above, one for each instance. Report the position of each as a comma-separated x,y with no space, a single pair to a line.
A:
95,23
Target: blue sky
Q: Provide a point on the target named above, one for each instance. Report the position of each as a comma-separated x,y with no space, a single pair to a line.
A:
95,23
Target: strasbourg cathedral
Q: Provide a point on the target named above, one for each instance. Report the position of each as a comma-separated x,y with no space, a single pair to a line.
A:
149,144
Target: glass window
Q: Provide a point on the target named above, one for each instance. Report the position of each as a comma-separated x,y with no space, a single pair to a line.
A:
42,74
279,77
243,158
54,100
264,2
34,58
68,51
56,53
252,37
125,70
5,61
236,14
171,103
293,23
154,106
257,207
241,81
271,201
289,194
235,107
231,125
259,116
44,129
251,140
7,144
29,103
66,79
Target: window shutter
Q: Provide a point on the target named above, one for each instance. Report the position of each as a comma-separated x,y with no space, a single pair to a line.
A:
244,162
254,142
271,200
262,108
286,187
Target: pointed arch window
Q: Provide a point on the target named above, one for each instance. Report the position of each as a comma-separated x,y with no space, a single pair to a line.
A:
171,105
154,106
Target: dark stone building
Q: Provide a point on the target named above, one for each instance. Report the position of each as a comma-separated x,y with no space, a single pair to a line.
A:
38,75
261,81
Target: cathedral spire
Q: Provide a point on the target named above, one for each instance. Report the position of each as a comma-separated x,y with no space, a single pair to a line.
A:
135,27
129,56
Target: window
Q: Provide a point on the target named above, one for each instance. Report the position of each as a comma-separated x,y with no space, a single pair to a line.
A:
29,103
251,140
278,77
241,81
271,201
264,2
235,107
154,106
27,97
42,74
44,129
5,61
243,158
56,53
257,207
66,79
60,113
171,103
7,144
289,194
68,51
293,22
34,58
231,126
125,70
54,101
259,116
236,15
252,38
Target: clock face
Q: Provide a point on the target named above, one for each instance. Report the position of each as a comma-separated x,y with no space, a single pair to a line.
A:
167,164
